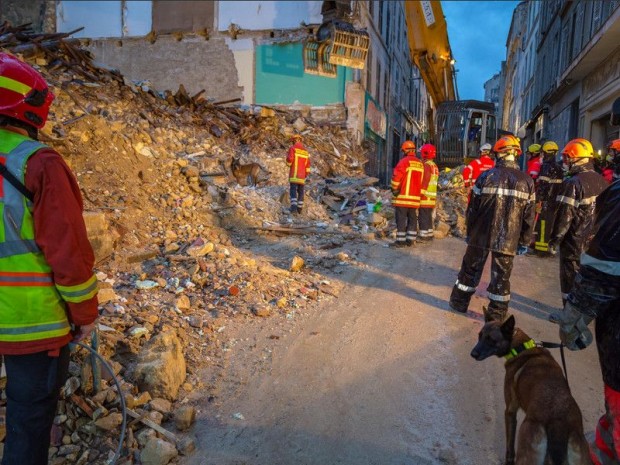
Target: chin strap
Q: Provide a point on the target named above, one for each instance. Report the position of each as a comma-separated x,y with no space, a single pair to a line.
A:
522,348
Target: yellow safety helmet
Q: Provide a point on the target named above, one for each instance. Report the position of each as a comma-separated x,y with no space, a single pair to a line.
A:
534,148
550,146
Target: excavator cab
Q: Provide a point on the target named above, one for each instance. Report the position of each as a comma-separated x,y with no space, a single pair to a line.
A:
336,42
462,127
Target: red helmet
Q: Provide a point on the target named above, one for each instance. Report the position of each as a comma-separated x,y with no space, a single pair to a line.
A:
24,94
407,146
578,148
506,144
428,151
614,145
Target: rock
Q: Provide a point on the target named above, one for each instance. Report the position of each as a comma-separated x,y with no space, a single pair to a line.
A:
145,435
110,423
158,452
106,295
161,405
102,238
184,417
160,366
261,310
183,303
200,249
186,445
300,125
442,230
297,263
137,401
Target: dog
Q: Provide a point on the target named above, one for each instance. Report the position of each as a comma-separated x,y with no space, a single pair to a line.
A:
246,174
552,430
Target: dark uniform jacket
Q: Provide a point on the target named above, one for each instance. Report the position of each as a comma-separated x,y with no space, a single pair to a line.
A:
549,181
575,215
597,286
500,214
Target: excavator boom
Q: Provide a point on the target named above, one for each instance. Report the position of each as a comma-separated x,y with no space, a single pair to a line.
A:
430,48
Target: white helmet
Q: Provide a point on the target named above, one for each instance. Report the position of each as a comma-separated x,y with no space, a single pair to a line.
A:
486,148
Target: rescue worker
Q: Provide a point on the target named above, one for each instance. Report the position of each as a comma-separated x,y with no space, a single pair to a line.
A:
547,187
575,209
500,220
48,295
595,295
613,161
483,163
534,161
406,188
428,197
298,161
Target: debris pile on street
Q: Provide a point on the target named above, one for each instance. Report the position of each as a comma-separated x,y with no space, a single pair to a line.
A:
169,224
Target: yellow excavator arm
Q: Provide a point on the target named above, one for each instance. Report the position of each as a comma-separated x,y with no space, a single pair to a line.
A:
430,48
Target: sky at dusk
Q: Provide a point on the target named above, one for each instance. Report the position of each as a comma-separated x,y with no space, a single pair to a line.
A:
477,31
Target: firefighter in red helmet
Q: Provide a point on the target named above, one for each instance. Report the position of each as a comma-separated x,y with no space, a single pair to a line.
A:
406,188
428,198
48,295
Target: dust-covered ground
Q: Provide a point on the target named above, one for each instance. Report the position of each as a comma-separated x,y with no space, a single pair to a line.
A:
380,375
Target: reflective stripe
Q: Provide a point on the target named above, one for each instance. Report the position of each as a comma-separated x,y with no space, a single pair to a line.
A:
463,287
534,172
8,330
79,293
500,191
9,249
25,279
567,200
588,201
550,180
604,266
499,298
476,190
15,86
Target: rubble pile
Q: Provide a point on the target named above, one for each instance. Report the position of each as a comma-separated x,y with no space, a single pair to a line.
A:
169,224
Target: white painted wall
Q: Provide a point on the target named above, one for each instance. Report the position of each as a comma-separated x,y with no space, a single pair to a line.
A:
257,15
243,51
102,19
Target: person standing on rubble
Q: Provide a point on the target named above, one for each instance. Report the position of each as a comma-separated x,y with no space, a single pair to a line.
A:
576,201
534,161
478,166
500,220
595,295
548,185
428,197
406,189
48,295
298,162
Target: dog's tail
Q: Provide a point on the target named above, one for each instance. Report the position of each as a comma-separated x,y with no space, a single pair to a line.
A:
557,442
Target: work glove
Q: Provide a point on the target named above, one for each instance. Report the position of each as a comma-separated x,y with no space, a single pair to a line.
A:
395,193
553,249
574,331
522,250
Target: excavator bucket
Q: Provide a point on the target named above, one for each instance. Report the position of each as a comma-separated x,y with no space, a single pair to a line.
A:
316,59
349,45
336,43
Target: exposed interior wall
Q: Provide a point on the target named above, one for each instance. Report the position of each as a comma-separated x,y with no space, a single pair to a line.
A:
280,78
257,15
243,52
19,12
103,18
173,16
194,62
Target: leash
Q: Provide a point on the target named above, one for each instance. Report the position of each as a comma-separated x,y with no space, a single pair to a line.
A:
555,345
96,355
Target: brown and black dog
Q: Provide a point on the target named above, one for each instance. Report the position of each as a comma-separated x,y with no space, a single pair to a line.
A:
552,430
246,174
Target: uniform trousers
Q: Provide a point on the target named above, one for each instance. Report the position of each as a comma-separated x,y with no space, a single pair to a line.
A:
406,224
469,278
32,391
425,221
297,197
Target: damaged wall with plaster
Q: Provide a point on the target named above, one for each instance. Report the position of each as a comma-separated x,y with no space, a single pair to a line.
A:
169,43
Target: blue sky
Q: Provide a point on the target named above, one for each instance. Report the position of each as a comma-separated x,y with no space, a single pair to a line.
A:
477,32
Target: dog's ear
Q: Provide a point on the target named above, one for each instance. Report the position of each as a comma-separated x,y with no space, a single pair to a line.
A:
508,326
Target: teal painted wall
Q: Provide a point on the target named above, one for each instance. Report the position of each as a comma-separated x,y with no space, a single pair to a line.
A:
280,78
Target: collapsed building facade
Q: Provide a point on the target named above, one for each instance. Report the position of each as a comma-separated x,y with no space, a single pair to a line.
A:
252,52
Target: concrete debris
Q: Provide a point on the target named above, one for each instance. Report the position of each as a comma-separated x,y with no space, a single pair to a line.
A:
177,240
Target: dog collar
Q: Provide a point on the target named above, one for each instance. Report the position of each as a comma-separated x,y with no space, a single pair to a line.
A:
517,350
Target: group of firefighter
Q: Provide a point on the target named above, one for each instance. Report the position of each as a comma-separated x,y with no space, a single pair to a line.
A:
568,206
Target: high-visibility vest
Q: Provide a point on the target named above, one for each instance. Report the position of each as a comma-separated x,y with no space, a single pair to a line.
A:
429,185
299,162
32,306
